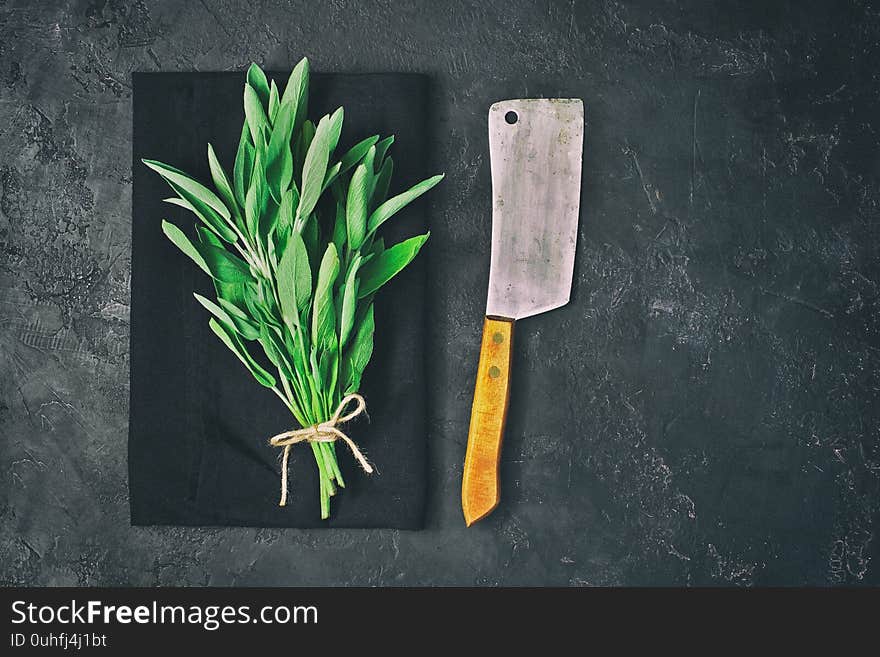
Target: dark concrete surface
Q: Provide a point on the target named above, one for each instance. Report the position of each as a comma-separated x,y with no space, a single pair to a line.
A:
704,412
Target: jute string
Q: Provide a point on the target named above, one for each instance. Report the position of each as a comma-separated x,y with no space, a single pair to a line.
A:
325,432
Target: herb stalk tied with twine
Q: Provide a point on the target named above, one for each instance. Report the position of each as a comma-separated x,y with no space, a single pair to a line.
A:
291,243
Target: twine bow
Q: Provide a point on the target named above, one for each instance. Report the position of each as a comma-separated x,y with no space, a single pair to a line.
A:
325,432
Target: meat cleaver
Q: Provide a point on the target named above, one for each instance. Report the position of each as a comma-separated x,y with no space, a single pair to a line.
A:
535,147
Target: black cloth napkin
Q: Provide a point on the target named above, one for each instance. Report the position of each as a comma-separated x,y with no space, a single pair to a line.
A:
199,424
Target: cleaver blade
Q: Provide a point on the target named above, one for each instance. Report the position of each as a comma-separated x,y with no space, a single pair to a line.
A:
536,192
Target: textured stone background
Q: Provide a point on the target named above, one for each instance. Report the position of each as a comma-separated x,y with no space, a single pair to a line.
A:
703,412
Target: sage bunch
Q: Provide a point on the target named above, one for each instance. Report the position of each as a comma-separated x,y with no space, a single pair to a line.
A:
291,241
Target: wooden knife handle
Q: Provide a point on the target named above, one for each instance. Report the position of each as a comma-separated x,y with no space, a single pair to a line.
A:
479,486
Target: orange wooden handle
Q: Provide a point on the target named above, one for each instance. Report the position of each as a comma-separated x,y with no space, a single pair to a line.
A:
479,486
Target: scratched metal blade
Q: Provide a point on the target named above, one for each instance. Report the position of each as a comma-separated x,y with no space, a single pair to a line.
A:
536,189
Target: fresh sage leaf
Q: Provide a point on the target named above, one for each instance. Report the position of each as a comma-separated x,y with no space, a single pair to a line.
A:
221,182
279,164
258,82
296,92
311,234
288,208
332,174
301,149
255,202
382,148
294,281
383,182
315,164
244,166
183,243
349,302
335,129
206,214
224,266
230,340
255,115
207,236
323,313
274,102
393,205
358,354
191,187
241,324
339,228
356,153
356,207
388,264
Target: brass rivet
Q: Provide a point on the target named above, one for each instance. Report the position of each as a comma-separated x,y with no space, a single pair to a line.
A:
494,372
497,338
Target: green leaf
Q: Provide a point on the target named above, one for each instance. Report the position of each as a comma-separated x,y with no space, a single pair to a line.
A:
349,302
244,165
233,300
213,259
279,164
383,182
257,309
339,229
335,128
332,174
190,188
368,164
275,351
323,313
296,91
387,264
232,297
358,354
255,114
205,214
269,348
356,153
294,281
230,340
182,203
382,148
369,161
247,330
311,235
297,346
316,378
255,202
315,164
257,80
301,148
207,236
396,203
362,346
274,102
252,210
356,207
288,209
221,182
224,266
329,368
302,272
268,223
182,242
261,303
